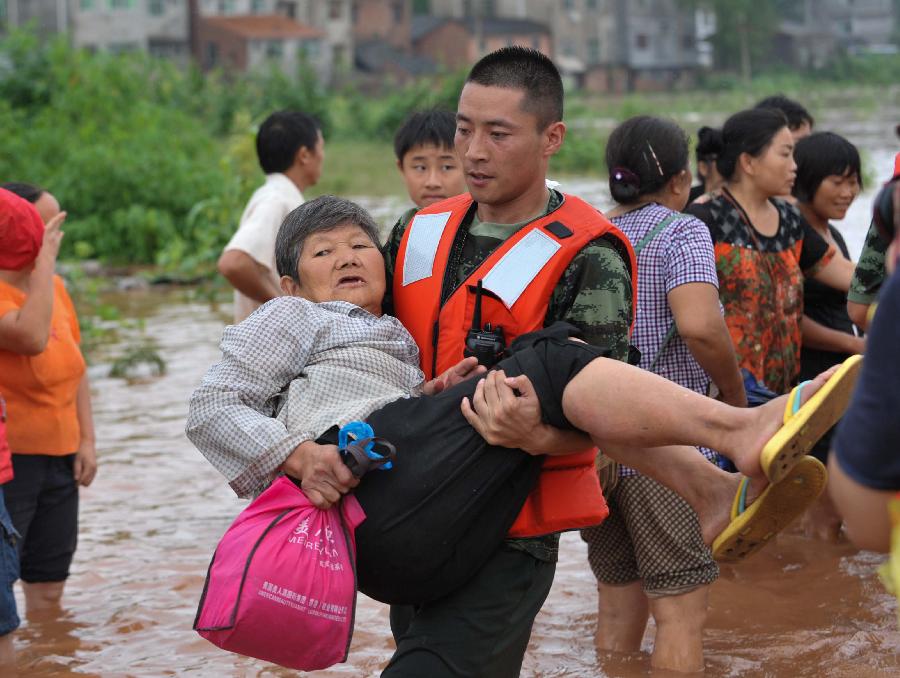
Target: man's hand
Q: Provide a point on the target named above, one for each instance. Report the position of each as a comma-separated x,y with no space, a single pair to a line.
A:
503,418
324,477
85,463
464,369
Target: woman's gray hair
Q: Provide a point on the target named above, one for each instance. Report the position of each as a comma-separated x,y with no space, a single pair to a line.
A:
322,214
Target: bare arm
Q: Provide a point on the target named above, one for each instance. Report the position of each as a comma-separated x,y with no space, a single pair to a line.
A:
248,276
86,457
700,323
837,273
864,510
818,336
859,314
27,329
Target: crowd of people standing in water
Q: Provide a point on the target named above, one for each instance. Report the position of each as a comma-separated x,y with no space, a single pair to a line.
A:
693,303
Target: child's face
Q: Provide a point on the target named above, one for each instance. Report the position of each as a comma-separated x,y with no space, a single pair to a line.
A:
431,173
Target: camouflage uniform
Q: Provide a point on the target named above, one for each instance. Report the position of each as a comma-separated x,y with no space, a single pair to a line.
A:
869,274
594,294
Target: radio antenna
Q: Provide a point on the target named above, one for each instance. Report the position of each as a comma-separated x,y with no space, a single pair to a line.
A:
476,318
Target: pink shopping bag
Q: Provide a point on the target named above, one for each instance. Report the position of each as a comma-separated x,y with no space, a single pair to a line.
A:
282,583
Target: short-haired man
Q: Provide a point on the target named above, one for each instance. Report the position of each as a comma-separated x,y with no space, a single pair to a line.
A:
541,256
290,150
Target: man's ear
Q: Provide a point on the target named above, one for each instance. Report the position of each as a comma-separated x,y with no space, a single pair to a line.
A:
554,136
304,156
289,286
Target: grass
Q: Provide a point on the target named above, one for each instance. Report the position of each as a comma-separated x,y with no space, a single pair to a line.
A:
358,168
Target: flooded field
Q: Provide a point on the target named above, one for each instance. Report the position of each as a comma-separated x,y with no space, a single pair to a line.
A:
151,519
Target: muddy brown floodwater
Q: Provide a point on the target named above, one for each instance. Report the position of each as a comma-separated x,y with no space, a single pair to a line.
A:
151,519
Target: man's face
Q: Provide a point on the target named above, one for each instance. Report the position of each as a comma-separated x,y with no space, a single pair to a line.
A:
504,154
431,173
342,264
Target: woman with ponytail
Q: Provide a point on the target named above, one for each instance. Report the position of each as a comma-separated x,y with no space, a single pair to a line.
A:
764,248
649,556
709,145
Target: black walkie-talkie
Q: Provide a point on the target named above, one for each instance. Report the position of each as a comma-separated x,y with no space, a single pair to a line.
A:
485,343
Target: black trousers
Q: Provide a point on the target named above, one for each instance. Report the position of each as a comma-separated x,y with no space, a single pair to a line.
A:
435,519
481,630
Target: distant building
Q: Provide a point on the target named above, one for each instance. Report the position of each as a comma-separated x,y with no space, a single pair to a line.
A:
388,21
156,26
383,52
603,45
329,53
812,33
256,41
457,43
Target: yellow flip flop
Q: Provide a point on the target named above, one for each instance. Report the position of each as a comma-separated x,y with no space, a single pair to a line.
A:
753,526
804,425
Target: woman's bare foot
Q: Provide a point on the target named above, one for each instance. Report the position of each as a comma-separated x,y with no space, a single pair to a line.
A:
747,444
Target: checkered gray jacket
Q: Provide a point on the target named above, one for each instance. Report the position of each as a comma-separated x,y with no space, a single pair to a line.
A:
289,372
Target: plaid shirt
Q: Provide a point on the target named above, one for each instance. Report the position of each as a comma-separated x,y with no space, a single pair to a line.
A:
682,253
289,372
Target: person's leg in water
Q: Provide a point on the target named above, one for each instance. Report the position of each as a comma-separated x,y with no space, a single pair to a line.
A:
651,539
679,630
622,614
43,503
622,609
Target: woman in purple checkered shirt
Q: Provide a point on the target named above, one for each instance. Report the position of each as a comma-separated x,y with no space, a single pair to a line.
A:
649,556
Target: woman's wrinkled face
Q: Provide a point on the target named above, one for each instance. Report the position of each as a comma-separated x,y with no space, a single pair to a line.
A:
773,171
342,264
835,195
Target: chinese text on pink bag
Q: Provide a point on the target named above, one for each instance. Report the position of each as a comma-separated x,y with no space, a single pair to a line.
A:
282,582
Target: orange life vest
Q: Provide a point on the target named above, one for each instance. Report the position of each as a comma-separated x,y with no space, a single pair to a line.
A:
519,276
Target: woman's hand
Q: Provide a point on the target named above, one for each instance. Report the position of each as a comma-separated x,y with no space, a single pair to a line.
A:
464,369
85,463
324,477
53,236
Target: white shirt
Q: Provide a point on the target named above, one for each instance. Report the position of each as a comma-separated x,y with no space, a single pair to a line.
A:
262,217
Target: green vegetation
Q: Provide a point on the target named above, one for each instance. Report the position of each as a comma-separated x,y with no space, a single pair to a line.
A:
154,164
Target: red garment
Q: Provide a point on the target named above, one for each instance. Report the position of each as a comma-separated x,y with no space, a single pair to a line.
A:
520,276
21,232
6,469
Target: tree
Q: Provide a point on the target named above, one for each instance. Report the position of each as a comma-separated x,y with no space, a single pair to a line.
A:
745,32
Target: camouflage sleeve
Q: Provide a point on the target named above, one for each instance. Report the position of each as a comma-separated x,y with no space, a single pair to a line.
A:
869,274
594,294
389,251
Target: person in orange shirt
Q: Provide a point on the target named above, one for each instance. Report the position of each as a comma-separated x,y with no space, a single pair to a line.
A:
43,379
